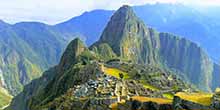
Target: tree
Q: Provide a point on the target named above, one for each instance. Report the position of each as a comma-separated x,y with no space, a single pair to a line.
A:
121,75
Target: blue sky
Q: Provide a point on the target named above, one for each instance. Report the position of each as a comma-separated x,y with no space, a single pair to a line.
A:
55,11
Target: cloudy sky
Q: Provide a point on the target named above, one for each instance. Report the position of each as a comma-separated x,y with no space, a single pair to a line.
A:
55,11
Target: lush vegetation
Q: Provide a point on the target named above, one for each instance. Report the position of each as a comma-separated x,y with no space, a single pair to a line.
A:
115,72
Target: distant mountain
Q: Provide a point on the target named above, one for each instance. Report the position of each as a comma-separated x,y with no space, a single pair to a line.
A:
89,25
137,60
194,23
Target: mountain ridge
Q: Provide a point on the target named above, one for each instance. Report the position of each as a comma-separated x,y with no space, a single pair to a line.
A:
89,27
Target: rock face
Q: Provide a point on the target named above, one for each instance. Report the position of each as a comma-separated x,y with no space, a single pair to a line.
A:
187,58
215,77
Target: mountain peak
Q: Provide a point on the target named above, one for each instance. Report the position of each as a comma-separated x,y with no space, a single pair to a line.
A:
125,9
125,12
73,50
122,30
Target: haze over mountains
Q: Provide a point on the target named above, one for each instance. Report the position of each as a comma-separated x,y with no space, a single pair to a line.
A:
29,48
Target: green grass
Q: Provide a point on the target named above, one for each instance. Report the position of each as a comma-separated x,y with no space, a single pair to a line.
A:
200,98
148,86
157,100
168,95
115,72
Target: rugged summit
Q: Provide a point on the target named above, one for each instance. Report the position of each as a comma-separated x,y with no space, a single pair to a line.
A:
129,38
127,35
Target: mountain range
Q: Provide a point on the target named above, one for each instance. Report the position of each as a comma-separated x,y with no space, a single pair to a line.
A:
29,48
129,59
198,24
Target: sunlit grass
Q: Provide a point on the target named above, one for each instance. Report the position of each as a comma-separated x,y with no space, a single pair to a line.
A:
115,72
157,100
148,86
200,98
168,95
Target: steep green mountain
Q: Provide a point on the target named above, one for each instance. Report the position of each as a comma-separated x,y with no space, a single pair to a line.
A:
78,68
193,23
38,46
51,78
131,39
26,50
129,59
198,24
125,34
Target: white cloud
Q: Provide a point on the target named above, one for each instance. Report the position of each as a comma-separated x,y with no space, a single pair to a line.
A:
53,11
